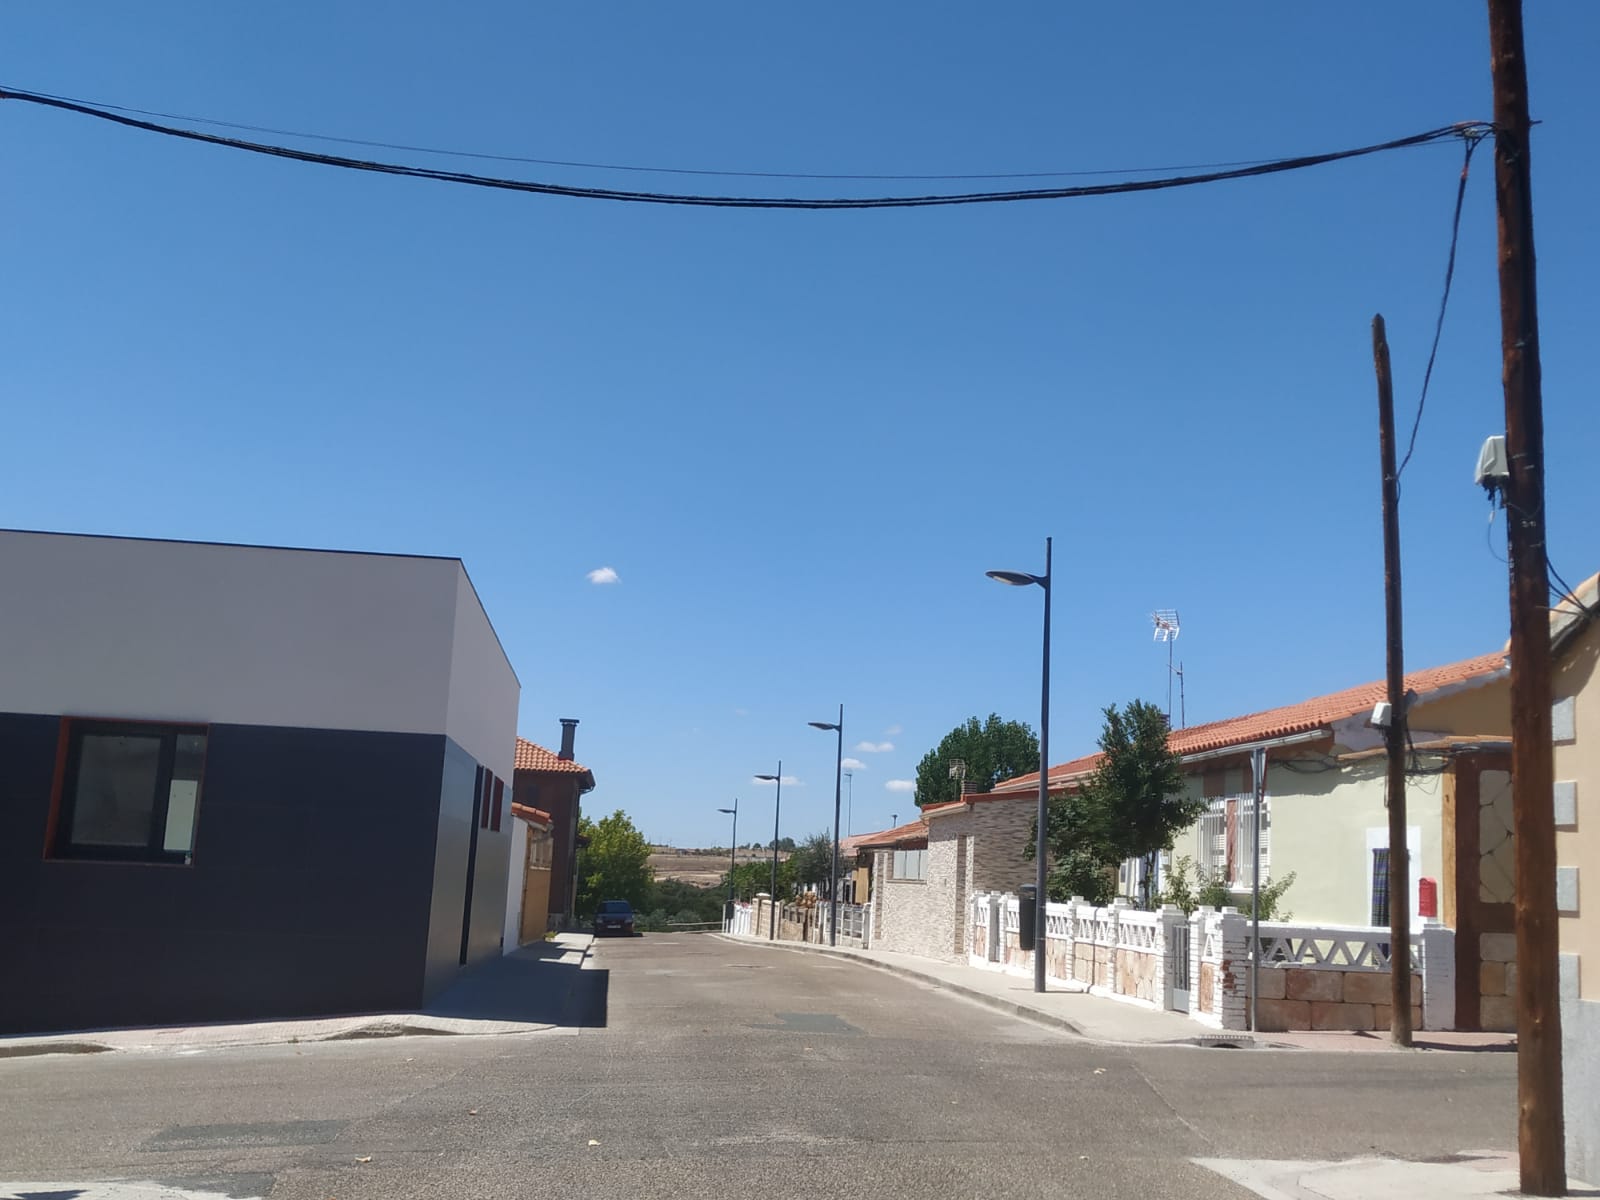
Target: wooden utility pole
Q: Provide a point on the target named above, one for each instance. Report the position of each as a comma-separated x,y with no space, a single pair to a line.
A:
1394,734
1540,1124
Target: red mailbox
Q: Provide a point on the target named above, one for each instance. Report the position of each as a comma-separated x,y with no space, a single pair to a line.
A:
1428,897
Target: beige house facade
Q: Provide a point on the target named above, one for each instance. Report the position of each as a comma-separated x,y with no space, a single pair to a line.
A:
1575,728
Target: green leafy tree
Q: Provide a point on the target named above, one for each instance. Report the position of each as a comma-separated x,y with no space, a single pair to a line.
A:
615,865
993,751
812,861
679,897
1133,806
752,877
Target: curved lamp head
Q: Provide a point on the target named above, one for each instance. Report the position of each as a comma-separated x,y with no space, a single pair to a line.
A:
767,778
828,725
1014,578
727,810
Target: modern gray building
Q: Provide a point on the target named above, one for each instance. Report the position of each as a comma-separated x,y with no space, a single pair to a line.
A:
244,781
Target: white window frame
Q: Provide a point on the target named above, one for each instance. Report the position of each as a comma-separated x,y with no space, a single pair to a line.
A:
909,865
1244,823
1211,839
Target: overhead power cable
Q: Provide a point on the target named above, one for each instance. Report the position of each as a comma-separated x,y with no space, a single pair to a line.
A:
635,168
1472,135
1270,167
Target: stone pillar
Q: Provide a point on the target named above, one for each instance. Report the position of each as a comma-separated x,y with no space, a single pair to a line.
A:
996,916
1233,974
1111,981
1438,976
1198,921
762,914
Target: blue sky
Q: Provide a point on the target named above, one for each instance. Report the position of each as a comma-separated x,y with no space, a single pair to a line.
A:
799,439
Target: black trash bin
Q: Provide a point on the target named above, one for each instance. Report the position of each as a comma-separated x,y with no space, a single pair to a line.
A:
1027,915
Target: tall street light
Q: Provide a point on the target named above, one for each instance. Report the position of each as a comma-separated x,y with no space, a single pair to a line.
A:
777,806
733,845
833,878
1023,579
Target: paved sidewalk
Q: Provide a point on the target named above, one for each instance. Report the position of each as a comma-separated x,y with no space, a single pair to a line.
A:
1472,1173
1105,1019
527,991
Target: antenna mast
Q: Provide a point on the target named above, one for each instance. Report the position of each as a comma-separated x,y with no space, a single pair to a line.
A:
1166,627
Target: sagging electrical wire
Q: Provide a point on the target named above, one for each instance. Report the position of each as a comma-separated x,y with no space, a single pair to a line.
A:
634,168
1271,167
1570,594
1473,135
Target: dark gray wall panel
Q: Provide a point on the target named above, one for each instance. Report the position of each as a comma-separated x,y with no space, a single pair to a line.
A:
452,839
310,891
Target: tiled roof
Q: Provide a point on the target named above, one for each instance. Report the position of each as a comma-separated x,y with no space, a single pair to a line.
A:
910,832
528,813
533,757
1305,717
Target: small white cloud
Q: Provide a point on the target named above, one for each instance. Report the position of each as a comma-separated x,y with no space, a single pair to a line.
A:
892,731
901,785
874,747
741,712
603,575
853,764
788,781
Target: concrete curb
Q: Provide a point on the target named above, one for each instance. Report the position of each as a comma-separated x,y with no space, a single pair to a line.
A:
315,1031
1009,1007
64,1046
1203,1036
292,1031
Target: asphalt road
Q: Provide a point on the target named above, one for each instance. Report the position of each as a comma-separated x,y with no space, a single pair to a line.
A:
713,1069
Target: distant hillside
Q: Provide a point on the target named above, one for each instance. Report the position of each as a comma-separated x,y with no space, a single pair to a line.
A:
702,868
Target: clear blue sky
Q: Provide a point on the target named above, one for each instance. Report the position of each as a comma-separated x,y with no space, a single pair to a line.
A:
800,438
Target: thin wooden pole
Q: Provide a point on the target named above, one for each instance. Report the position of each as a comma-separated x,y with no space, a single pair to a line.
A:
1394,734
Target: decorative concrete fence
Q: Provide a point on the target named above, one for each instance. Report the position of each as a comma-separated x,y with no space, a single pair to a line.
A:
802,922
1338,977
1116,951
1311,977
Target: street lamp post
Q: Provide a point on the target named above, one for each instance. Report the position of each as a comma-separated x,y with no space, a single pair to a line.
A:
833,877
777,807
1022,579
733,845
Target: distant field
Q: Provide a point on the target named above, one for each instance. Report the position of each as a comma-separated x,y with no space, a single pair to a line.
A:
699,867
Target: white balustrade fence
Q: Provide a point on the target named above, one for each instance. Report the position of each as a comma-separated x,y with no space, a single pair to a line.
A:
742,922
810,922
1342,947
854,920
1199,964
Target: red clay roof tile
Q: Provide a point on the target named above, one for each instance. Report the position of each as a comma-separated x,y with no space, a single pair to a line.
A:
910,832
533,757
528,813
1305,717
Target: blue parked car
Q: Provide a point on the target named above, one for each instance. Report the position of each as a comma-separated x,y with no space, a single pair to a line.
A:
613,916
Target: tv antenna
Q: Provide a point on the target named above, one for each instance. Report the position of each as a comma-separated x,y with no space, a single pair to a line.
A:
958,772
1167,628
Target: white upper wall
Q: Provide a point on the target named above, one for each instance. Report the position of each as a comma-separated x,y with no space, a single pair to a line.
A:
481,712
185,631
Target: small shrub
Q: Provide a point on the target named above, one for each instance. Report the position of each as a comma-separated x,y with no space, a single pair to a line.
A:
1213,891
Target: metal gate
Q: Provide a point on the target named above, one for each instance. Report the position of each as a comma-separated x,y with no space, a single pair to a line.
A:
1178,967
